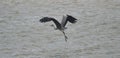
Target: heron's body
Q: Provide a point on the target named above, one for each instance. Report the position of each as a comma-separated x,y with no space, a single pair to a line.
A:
60,26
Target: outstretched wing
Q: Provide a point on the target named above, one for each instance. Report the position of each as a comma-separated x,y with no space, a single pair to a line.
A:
67,18
71,19
64,21
47,19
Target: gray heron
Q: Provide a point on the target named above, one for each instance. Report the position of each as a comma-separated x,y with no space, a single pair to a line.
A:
60,26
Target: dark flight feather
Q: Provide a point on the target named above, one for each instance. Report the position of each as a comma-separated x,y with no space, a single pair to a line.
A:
71,19
45,19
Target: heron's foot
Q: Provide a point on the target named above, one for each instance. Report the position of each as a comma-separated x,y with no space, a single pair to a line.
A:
53,26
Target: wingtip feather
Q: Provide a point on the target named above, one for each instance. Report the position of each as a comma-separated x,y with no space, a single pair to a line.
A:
45,19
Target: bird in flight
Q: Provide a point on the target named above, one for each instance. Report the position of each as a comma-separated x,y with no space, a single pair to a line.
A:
60,26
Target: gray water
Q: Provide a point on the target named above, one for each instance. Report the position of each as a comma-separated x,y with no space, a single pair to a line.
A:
95,35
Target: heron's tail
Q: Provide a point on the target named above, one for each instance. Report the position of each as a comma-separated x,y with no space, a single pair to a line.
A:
71,19
45,19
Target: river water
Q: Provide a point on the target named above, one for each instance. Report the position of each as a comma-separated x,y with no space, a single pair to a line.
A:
95,35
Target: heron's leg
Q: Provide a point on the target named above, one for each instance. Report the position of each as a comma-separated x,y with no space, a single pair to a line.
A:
65,36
